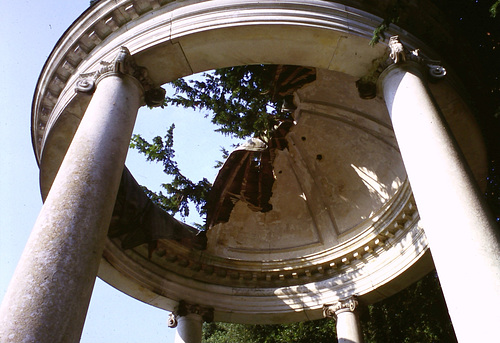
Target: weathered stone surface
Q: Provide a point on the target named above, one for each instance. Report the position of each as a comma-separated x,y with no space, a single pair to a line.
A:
48,297
443,183
350,224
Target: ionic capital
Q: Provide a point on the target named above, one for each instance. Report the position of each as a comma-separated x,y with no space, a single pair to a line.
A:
331,311
183,309
123,64
400,54
397,55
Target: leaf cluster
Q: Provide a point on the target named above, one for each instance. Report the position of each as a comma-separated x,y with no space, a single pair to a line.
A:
238,99
181,190
416,314
303,332
494,8
391,18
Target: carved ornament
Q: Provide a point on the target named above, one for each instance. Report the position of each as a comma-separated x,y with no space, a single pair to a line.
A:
398,54
184,308
330,311
123,64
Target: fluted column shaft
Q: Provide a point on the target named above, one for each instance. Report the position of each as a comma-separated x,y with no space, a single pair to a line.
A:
48,297
462,234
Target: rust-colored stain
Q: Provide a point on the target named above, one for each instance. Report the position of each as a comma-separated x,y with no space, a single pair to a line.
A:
248,175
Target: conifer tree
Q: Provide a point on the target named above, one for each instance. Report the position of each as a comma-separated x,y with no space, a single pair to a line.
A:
239,100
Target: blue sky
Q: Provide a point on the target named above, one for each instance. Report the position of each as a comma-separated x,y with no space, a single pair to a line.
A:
29,30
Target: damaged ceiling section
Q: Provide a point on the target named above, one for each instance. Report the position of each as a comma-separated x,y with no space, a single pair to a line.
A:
248,173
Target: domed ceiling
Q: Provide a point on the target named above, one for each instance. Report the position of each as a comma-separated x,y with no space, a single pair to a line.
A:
338,217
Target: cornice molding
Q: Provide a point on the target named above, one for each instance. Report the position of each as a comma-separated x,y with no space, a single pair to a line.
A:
108,25
258,288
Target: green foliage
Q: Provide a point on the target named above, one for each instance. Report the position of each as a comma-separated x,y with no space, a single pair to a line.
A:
180,191
416,314
379,32
225,155
238,101
392,18
238,98
494,8
304,332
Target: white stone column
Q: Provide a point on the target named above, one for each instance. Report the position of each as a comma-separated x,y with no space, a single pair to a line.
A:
188,320
48,296
189,328
462,234
345,313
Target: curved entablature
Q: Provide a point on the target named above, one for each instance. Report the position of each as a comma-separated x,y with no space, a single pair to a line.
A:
363,253
399,217
144,25
272,291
